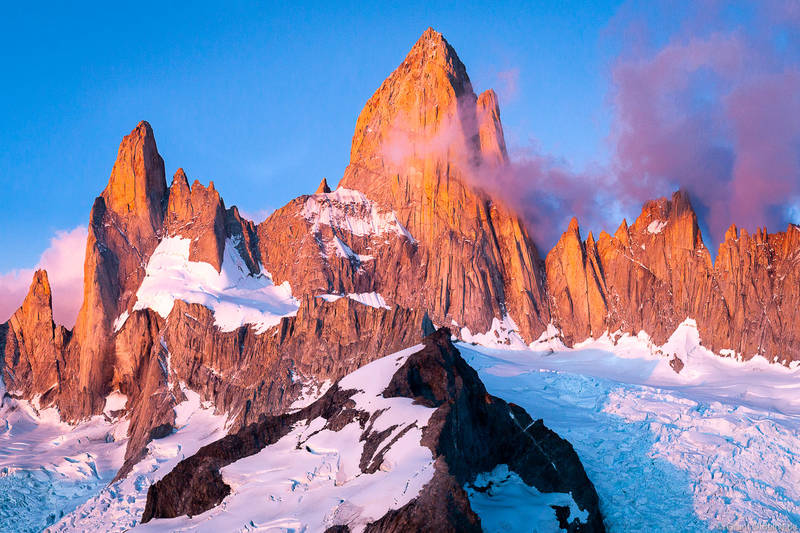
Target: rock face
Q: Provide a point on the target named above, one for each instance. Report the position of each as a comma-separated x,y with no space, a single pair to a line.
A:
125,227
656,273
33,345
197,214
758,277
420,145
469,432
649,276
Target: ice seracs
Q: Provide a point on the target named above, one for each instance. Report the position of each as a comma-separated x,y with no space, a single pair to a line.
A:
118,506
709,448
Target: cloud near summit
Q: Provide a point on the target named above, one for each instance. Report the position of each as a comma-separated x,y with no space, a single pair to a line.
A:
712,108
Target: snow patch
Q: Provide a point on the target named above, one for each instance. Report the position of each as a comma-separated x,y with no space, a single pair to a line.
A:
234,295
351,211
310,479
115,402
656,226
120,321
502,333
372,299
342,250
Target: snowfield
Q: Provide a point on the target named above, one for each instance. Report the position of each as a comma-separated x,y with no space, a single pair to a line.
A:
351,211
119,506
234,295
714,447
48,467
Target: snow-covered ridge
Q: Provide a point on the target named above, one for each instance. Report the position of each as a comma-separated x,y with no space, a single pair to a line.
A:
234,295
311,479
351,211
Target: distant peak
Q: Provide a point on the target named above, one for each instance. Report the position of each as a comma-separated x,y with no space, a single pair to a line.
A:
180,179
433,40
143,129
323,187
573,225
137,184
39,296
40,283
731,233
487,99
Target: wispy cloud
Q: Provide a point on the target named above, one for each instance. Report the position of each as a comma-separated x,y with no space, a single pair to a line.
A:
63,260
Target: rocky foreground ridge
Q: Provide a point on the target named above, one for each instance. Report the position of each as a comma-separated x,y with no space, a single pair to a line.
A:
467,431
333,280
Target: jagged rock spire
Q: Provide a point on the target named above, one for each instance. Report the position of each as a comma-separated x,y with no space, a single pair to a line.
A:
125,226
323,187
422,147
137,185
31,344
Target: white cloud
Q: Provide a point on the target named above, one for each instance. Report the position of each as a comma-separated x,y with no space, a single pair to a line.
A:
63,260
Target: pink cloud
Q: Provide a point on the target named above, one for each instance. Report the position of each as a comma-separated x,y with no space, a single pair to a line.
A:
63,260
508,84
714,113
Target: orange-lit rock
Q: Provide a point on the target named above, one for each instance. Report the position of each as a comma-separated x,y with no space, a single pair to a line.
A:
419,145
32,345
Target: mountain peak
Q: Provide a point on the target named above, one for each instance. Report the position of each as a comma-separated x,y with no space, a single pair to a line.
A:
432,55
137,185
323,187
39,294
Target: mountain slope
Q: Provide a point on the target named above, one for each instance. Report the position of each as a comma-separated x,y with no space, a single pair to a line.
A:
366,435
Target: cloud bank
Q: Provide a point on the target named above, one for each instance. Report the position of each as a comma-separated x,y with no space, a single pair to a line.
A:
63,260
712,108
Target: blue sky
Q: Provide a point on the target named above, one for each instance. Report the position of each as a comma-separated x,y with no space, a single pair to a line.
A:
263,97
604,104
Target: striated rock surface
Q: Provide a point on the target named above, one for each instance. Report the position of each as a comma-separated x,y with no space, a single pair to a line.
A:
420,145
653,275
759,279
649,276
125,227
33,345
469,432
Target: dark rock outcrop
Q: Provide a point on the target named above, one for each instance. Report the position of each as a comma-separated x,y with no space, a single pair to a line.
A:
469,432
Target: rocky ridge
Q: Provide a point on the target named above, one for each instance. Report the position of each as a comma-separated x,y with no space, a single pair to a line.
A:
468,432
656,273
